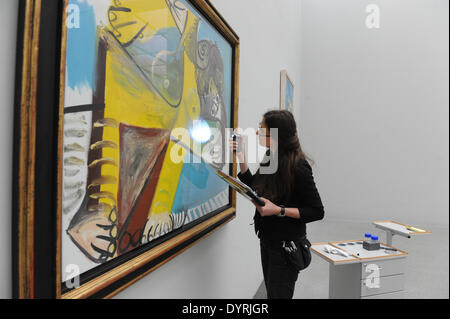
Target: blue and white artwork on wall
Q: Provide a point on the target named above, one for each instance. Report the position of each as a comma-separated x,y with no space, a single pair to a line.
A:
286,92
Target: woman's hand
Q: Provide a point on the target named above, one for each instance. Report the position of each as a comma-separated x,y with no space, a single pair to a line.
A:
233,147
269,209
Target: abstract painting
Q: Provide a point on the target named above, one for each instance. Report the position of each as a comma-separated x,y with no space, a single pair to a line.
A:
135,72
286,92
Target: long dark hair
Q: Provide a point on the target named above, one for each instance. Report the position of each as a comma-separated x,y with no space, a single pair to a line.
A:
278,186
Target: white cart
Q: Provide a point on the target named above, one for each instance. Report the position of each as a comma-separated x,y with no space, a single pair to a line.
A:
364,274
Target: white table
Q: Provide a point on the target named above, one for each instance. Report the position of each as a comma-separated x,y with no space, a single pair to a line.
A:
364,274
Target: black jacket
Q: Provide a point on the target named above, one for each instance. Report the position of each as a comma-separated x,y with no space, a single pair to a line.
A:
305,197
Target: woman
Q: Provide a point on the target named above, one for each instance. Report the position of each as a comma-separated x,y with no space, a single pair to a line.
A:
291,200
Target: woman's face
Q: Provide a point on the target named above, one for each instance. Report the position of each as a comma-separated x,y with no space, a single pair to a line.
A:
263,134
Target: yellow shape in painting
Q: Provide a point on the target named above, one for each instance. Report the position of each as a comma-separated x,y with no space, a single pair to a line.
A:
139,19
171,171
130,98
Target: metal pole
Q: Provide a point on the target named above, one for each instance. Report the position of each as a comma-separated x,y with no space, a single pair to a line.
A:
389,236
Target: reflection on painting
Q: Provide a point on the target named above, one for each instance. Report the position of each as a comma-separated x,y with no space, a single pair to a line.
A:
135,70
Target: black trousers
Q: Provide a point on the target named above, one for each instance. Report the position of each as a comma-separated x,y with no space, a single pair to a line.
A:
279,275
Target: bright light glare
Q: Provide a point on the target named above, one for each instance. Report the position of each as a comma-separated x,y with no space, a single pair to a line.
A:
200,131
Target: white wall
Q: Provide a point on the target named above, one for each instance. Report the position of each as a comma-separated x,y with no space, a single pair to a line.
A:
374,108
226,264
8,18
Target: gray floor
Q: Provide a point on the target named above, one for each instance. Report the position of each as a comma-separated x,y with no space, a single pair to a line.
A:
427,265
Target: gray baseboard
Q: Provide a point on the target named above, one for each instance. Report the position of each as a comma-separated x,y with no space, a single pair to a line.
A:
261,293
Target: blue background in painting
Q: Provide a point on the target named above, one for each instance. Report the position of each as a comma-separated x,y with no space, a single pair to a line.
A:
197,184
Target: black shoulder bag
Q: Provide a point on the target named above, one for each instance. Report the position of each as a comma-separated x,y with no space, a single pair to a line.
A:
298,253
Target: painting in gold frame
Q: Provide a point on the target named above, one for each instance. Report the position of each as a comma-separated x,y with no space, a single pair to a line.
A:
101,86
